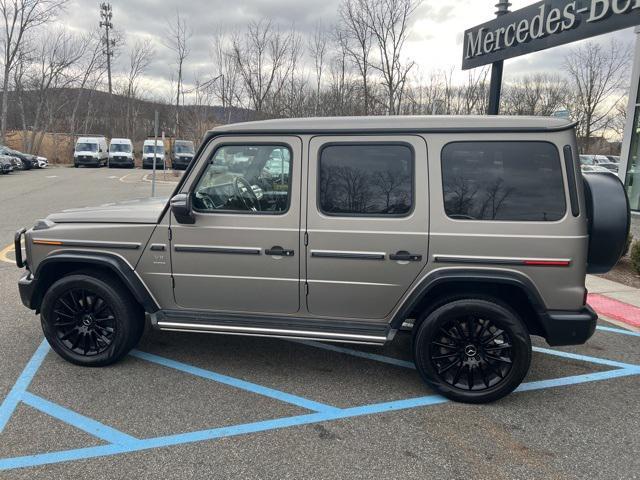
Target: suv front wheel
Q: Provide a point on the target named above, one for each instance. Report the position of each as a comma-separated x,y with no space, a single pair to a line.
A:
472,350
90,322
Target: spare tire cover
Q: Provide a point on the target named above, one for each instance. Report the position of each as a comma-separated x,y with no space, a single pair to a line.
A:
609,219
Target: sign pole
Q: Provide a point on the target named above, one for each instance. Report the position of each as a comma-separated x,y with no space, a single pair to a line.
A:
155,155
495,88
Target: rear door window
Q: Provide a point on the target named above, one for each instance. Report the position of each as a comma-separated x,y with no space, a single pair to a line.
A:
366,179
510,181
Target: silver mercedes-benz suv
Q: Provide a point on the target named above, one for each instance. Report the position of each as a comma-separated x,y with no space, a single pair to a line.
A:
478,231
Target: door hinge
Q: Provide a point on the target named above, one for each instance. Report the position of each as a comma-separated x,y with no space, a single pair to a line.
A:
170,233
173,282
306,289
306,239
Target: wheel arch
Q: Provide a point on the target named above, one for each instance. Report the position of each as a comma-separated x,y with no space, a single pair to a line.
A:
512,288
61,263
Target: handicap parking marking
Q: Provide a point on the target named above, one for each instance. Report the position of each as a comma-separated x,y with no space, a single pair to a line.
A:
120,442
4,252
618,330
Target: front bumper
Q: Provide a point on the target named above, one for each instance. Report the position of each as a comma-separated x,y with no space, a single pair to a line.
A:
87,161
121,161
26,287
569,327
181,163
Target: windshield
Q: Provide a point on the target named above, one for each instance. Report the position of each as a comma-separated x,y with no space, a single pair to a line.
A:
149,149
86,147
120,147
184,147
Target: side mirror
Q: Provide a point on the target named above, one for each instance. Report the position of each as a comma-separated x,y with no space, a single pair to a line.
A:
181,208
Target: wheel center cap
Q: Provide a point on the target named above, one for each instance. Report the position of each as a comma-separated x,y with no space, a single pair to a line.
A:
87,320
470,350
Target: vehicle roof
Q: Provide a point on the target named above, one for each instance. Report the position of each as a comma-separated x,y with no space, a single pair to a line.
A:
414,123
120,140
86,139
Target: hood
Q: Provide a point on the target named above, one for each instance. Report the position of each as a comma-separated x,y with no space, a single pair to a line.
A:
86,153
145,210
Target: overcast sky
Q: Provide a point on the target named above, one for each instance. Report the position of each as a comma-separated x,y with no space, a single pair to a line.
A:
435,41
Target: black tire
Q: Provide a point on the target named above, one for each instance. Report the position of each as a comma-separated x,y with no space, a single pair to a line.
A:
70,320
460,353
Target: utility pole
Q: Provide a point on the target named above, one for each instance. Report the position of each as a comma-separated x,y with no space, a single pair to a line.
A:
495,87
106,14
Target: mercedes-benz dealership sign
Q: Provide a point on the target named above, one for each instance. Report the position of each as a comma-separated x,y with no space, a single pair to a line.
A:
543,25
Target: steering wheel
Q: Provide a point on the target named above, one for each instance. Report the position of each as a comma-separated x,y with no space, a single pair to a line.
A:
206,200
245,192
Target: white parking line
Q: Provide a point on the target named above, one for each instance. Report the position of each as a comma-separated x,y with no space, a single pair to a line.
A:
52,176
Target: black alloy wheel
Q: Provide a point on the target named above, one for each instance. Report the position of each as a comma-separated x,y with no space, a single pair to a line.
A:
84,322
472,350
91,319
471,353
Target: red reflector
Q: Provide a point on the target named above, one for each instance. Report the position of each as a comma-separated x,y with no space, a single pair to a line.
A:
547,263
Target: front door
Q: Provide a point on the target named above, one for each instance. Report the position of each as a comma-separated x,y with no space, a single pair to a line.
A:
367,223
242,253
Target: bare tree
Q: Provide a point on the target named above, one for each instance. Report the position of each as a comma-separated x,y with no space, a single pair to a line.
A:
140,57
355,35
389,24
20,17
318,51
227,89
58,52
539,94
262,59
597,75
178,42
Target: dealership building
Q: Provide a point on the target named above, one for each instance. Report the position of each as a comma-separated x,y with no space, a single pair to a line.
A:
630,156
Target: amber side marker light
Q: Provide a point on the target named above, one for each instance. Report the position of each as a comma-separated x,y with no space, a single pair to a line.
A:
47,242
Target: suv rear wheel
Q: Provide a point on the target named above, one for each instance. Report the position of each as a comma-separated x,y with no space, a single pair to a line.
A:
472,350
90,322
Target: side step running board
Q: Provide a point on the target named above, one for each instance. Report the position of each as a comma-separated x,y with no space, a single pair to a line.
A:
281,327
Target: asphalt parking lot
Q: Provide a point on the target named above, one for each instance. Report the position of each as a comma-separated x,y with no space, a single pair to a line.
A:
190,406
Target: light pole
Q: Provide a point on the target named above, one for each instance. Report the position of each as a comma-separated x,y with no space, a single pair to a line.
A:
495,87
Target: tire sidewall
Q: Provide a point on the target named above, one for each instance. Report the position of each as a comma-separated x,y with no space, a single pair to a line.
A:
504,318
123,321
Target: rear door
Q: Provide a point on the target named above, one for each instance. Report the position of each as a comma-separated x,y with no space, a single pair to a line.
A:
367,223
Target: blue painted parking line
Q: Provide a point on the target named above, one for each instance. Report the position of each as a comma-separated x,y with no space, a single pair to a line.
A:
86,424
120,442
357,353
24,380
235,382
618,330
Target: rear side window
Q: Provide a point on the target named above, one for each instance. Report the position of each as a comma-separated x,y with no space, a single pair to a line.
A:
513,181
366,179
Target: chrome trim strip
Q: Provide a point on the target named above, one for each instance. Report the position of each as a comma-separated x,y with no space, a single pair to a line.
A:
91,243
342,282
268,331
494,260
342,254
236,277
218,249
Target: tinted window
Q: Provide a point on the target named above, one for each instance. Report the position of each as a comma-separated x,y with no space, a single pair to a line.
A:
518,181
366,179
249,178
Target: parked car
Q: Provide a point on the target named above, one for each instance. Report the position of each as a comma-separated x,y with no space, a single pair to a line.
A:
593,159
121,153
151,153
17,163
91,151
182,154
613,158
42,162
26,160
374,225
612,167
594,169
6,164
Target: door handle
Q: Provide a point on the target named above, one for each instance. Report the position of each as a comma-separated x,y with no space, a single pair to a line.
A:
278,251
404,256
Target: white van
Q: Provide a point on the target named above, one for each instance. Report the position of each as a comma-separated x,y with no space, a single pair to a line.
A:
149,153
91,151
121,153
